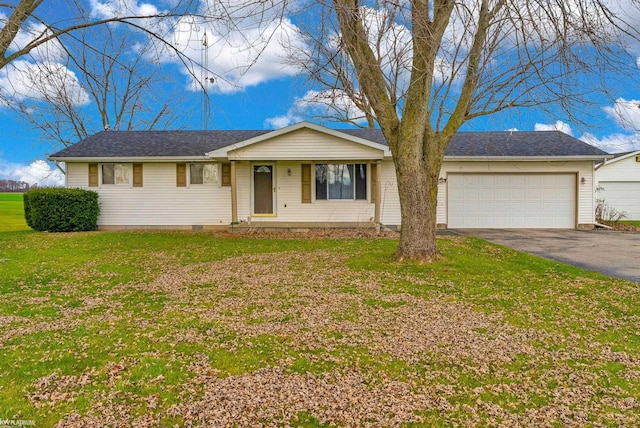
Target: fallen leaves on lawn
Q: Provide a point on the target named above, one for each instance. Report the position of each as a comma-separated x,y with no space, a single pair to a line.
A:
374,356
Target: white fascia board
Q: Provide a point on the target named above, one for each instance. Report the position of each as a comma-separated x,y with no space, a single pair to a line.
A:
524,158
224,151
145,159
323,157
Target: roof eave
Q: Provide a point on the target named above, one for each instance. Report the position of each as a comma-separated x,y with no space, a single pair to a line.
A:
527,158
614,159
129,159
224,151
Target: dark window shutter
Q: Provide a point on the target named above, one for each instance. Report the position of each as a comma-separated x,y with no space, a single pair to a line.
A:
306,183
226,174
181,175
374,183
93,175
137,175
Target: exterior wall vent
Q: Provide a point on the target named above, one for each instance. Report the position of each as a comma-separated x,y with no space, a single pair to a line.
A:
638,158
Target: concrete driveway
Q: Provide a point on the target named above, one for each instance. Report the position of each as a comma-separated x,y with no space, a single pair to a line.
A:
612,253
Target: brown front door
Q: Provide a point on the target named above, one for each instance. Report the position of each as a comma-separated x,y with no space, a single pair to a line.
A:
263,189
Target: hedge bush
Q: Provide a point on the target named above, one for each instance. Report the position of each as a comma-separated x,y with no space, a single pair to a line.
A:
61,210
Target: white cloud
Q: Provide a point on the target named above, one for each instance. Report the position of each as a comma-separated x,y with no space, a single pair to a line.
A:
278,122
41,74
558,126
331,104
49,51
615,143
626,113
247,44
41,81
324,102
113,8
38,172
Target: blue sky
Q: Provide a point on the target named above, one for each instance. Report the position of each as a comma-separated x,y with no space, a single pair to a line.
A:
268,95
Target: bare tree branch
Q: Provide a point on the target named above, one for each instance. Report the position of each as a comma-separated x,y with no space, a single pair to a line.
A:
465,60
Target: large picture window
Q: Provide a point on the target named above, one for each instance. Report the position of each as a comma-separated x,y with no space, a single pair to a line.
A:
341,181
203,173
116,173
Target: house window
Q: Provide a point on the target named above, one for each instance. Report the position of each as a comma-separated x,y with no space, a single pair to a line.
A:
116,173
203,173
341,181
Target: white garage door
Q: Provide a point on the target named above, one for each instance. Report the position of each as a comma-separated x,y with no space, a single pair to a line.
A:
624,196
511,200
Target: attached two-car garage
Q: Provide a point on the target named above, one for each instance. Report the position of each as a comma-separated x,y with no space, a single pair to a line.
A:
511,200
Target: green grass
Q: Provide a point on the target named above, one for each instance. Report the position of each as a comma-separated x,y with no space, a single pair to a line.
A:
11,212
635,223
174,328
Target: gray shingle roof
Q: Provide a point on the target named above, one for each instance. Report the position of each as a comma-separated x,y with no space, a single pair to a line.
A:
123,144
504,143
520,143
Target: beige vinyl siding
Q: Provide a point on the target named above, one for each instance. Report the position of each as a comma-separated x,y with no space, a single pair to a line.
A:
289,205
77,175
159,202
243,181
389,199
585,197
305,144
618,184
622,170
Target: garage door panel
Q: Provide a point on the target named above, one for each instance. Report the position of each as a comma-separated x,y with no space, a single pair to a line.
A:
516,180
486,194
511,200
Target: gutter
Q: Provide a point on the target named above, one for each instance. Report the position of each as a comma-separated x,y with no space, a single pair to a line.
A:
525,158
129,159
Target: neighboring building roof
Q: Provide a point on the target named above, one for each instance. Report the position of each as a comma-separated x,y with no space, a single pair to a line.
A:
149,144
618,157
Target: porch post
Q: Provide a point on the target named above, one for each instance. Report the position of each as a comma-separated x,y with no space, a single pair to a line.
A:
234,194
377,214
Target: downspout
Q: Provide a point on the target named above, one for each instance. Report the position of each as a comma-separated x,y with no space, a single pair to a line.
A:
60,168
63,171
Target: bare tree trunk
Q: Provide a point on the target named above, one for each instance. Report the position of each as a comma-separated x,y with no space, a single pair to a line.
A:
418,195
9,32
417,167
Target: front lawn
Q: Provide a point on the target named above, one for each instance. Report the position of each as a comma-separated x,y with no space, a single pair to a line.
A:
11,212
158,329
634,223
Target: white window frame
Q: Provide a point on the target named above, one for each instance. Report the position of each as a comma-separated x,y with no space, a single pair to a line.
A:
215,174
352,199
128,174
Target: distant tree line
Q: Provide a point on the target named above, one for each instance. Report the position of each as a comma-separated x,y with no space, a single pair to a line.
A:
15,186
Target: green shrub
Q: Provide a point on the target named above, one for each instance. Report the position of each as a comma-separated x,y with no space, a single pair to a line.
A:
61,210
